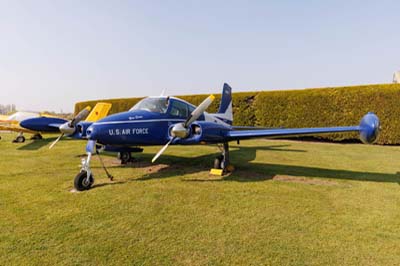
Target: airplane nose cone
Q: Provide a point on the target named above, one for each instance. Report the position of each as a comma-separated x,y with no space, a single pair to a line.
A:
26,123
67,129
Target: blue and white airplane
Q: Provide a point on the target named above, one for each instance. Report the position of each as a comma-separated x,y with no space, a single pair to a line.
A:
171,121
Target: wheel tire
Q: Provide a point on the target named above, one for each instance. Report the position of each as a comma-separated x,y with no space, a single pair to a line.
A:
125,157
20,139
37,137
218,162
80,181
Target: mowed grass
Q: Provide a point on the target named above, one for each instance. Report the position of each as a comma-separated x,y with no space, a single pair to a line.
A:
287,203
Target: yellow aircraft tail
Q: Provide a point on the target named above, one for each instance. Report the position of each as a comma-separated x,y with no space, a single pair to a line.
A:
99,111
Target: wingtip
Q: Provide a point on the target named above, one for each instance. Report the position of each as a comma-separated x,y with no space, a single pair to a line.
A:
212,97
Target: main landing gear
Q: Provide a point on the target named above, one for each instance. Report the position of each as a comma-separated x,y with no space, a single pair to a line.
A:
84,180
20,138
222,161
125,157
37,136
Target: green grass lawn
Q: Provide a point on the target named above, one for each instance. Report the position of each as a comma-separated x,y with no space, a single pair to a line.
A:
287,203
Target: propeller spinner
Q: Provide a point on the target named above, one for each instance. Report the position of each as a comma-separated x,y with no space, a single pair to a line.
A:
69,128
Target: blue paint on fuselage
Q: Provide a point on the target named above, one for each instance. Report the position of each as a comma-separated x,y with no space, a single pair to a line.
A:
43,124
140,127
133,128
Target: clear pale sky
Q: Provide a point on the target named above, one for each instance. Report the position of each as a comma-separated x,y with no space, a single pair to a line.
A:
55,53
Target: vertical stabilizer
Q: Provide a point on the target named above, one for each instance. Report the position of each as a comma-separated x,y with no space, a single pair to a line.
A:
99,112
225,107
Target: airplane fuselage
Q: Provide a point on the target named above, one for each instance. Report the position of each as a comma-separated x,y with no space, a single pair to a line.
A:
133,128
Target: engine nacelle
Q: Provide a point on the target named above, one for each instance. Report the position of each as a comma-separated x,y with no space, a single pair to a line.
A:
80,130
369,128
201,131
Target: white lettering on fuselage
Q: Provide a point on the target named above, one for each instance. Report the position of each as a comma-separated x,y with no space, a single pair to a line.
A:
135,117
128,131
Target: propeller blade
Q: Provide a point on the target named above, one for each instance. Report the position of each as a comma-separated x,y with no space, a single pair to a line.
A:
80,116
55,142
161,151
199,110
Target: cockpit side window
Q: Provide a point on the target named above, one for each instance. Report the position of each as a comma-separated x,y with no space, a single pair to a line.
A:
179,109
157,105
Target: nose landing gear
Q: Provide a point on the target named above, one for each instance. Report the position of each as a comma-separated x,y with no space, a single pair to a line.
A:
84,180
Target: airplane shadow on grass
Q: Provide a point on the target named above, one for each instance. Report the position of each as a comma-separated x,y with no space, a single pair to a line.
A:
34,145
246,170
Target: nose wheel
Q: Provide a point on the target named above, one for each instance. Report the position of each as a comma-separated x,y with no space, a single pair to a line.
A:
83,181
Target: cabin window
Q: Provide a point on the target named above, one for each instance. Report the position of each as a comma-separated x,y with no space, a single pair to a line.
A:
156,105
179,109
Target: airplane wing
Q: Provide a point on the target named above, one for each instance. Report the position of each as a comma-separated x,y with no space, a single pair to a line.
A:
285,132
14,128
368,129
251,128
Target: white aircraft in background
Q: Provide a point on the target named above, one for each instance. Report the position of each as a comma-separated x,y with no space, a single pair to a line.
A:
11,123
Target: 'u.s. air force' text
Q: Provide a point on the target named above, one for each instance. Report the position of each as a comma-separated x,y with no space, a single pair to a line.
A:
128,131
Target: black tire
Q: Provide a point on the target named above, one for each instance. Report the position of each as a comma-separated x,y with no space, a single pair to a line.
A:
125,157
80,181
19,139
37,137
218,162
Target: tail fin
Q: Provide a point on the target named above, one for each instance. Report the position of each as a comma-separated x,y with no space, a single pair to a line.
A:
225,108
99,111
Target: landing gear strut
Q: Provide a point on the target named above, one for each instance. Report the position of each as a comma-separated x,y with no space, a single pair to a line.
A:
84,180
222,161
20,138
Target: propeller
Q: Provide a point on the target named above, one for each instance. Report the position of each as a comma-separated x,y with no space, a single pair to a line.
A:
55,142
182,130
69,127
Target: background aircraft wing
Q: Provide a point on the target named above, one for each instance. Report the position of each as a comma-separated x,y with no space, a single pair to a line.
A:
15,128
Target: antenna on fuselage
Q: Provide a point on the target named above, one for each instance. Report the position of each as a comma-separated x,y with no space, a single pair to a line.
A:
163,92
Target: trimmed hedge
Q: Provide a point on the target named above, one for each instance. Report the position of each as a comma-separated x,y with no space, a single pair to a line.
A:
338,106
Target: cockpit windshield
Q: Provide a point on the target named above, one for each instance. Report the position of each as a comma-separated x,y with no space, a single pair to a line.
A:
157,105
